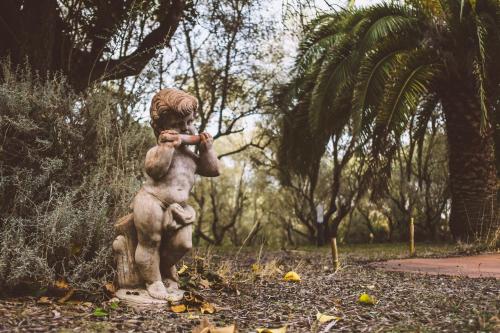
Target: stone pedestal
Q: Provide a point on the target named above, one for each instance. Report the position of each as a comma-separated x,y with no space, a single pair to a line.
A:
124,248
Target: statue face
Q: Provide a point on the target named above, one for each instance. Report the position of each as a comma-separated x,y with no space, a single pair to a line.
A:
178,123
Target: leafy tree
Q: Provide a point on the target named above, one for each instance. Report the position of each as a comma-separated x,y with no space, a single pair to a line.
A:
89,40
375,68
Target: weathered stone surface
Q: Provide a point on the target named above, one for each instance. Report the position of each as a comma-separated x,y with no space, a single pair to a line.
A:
158,232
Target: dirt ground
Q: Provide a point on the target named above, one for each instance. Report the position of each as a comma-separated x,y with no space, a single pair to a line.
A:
485,265
248,289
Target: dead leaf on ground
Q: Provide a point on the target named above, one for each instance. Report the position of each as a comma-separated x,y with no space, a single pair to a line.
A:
204,283
272,330
56,314
182,269
256,268
367,299
44,300
61,285
178,308
66,297
323,318
207,327
207,308
110,288
292,276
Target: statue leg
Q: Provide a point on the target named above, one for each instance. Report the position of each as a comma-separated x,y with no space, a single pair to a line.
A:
178,243
148,217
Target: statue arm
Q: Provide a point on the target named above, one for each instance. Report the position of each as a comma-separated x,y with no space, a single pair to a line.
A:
158,160
208,164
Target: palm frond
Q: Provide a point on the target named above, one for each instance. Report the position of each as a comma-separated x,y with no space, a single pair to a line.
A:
410,82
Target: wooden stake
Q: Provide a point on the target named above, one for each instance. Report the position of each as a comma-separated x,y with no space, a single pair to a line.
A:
412,237
335,254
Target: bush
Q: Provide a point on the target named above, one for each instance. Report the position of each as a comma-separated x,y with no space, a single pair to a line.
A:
69,166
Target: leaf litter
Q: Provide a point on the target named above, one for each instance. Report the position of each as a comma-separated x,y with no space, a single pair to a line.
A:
242,295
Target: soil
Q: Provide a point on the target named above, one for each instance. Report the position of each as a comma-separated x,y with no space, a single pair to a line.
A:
249,290
486,265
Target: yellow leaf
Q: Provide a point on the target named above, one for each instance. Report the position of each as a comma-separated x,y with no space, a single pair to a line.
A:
207,308
256,268
292,276
272,330
367,299
182,269
178,308
110,287
61,284
44,300
192,316
323,318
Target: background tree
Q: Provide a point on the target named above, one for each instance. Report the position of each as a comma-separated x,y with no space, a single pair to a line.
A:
90,40
374,68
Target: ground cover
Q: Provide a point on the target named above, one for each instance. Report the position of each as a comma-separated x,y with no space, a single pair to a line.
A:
247,288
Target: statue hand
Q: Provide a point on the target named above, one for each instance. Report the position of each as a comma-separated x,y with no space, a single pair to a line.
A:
206,142
183,213
170,137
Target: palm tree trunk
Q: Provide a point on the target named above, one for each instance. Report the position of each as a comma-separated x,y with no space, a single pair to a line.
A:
472,169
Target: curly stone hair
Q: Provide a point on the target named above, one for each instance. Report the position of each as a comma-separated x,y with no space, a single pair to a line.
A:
170,100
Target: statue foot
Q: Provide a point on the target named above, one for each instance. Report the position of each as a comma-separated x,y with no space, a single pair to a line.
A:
172,293
157,290
171,284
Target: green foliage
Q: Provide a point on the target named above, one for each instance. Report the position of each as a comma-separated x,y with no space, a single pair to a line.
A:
372,68
372,71
69,165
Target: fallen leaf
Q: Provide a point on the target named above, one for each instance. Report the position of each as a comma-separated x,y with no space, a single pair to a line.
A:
207,308
99,312
207,327
292,276
204,283
271,330
110,288
44,300
178,308
367,299
182,269
323,318
57,314
61,284
192,316
66,297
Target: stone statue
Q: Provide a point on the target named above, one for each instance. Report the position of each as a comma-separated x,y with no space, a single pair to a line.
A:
157,234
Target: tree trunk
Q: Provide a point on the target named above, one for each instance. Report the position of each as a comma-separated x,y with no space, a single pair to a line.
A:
472,169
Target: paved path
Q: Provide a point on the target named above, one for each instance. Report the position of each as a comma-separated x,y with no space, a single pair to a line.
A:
485,265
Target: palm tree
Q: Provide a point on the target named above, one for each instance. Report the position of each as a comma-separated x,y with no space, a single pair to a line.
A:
373,69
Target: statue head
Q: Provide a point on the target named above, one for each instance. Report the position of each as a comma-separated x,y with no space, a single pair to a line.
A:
173,109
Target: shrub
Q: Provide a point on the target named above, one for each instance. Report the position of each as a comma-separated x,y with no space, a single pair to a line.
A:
69,165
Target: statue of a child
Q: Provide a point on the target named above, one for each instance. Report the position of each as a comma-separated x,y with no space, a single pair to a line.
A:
161,216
